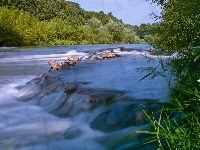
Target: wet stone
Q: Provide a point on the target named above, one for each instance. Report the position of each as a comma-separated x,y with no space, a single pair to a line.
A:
72,133
122,115
70,90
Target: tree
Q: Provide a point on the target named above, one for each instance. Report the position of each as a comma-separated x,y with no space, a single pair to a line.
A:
19,28
41,9
84,35
179,28
144,29
103,36
116,30
129,36
94,23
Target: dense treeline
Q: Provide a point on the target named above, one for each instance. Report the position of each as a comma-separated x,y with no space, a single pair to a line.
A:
179,33
60,22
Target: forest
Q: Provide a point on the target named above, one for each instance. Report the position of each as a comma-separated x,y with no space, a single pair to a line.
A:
60,22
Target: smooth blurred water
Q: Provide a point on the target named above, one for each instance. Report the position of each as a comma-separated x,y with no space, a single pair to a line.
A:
36,113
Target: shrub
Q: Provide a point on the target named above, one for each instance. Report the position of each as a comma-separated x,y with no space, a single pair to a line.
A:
19,28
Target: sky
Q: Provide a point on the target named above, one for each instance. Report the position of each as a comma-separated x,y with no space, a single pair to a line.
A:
132,12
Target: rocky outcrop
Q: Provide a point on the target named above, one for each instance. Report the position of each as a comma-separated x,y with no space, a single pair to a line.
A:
54,65
63,65
110,55
72,60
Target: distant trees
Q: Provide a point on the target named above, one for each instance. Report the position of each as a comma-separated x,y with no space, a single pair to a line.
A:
146,31
41,9
41,22
103,36
116,30
129,36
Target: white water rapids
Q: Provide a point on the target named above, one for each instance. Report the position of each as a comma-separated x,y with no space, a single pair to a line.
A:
97,104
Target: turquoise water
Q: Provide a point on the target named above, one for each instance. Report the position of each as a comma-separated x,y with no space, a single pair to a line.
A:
39,111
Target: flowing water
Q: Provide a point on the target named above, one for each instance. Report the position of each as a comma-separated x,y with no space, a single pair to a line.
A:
97,104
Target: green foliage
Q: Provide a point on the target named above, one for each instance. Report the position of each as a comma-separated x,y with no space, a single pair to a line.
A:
181,132
84,35
148,38
61,29
144,29
178,126
41,22
41,9
101,16
19,28
103,36
94,23
116,30
9,38
129,36
179,29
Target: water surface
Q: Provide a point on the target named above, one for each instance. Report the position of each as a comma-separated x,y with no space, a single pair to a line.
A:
96,104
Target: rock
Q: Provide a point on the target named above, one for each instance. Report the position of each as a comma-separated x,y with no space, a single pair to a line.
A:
107,55
54,65
110,55
124,114
72,133
64,65
70,90
117,55
151,49
74,58
122,49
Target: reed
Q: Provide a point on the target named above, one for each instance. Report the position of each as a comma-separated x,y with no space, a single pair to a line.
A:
178,125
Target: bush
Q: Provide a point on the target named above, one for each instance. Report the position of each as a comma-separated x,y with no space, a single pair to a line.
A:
19,28
129,36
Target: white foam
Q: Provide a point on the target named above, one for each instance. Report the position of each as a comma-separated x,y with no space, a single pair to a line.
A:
29,58
74,52
134,52
155,56
116,50
10,87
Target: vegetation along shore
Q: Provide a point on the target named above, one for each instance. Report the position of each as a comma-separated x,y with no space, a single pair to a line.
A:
178,32
59,22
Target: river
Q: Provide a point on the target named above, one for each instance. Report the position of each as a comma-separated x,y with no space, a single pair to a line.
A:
97,104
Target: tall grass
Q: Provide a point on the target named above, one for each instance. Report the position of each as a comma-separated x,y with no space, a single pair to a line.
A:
178,126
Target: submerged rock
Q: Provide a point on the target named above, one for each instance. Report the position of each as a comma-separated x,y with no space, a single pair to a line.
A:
122,115
72,133
85,100
70,90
